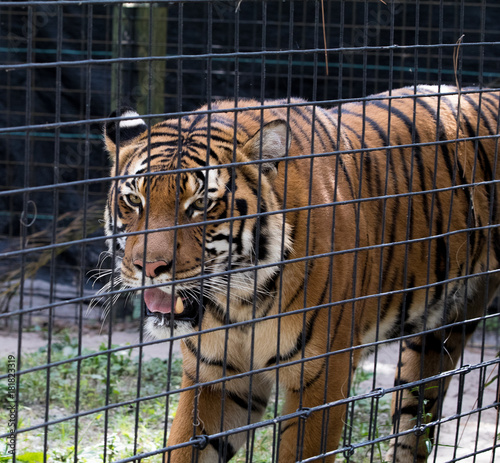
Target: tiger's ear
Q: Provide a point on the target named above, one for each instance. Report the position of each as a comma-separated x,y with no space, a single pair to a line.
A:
272,141
122,131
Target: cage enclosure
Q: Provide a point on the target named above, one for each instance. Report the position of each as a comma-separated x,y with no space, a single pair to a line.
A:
249,230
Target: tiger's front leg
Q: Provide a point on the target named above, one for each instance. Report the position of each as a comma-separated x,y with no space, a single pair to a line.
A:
212,409
318,432
312,434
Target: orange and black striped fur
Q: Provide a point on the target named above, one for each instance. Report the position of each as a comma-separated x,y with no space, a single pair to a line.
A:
259,253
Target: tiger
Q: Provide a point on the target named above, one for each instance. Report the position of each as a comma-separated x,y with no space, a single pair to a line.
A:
280,240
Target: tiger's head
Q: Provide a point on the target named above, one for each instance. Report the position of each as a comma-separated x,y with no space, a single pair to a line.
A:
191,215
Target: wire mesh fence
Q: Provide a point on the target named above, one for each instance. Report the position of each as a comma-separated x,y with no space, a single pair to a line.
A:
241,229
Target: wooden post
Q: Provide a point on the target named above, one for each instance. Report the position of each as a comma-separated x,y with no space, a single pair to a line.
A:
151,39
139,32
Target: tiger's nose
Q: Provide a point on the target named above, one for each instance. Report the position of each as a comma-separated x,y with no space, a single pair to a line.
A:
152,269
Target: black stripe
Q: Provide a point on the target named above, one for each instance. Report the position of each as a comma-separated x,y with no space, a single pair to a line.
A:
258,403
441,252
287,427
414,134
480,115
212,362
260,226
482,157
345,110
382,133
164,144
405,307
331,133
402,445
173,124
347,176
412,410
313,379
314,121
195,119
400,382
486,167
298,342
223,448
318,375
298,113
492,108
432,344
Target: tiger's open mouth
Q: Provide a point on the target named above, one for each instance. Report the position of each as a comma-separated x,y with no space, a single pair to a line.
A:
168,307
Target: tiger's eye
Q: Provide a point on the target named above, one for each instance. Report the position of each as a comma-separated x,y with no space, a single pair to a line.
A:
135,200
199,204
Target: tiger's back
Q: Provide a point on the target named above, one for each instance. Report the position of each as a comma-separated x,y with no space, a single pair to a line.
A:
436,201
302,259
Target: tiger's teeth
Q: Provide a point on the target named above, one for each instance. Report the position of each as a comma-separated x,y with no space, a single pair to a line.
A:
179,306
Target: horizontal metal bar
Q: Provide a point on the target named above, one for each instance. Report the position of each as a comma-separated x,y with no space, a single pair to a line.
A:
237,55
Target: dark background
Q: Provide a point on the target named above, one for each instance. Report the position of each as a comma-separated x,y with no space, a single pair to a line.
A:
63,67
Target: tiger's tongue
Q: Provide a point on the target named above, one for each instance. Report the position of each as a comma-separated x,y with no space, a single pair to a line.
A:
158,301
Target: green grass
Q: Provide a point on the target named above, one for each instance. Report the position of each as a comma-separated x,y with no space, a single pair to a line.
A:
132,428
121,439
492,324
370,419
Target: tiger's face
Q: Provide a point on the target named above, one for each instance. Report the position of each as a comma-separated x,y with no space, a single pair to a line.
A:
191,221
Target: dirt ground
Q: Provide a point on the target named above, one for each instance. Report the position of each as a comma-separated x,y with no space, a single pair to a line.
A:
474,433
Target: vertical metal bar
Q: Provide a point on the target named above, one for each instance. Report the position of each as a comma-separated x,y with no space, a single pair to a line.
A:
116,91
470,219
236,97
308,263
482,371
285,194
372,427
350,407
24,217
145,18
339,146
86,175
55,208
264,46
439,81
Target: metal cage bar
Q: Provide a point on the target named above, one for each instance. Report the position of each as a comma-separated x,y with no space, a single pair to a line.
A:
287,88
